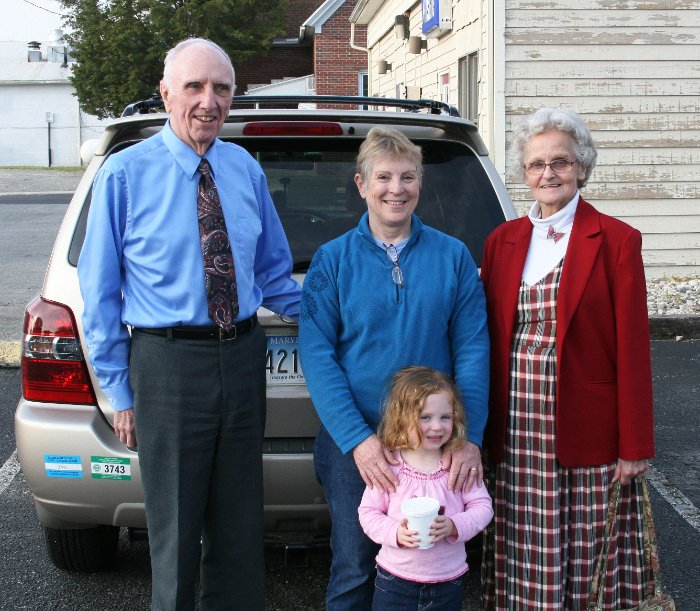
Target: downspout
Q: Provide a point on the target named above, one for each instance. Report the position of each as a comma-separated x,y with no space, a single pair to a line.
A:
366,50
497,146
80,130
355,17
48,141
352,39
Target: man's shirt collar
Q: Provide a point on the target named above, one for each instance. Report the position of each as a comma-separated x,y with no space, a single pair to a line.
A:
184,154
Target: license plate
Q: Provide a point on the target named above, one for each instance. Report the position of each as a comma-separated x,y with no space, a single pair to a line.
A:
282,365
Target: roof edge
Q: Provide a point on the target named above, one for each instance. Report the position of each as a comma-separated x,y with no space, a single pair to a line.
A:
322,14
364,11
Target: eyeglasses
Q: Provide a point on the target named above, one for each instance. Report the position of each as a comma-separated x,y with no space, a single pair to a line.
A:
396,273
559,166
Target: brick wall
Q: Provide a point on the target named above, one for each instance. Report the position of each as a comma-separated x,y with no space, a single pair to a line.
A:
281,61
336,64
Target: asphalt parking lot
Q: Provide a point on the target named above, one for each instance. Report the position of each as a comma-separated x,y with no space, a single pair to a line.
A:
30,582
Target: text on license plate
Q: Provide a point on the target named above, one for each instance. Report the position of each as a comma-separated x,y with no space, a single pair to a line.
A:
282,365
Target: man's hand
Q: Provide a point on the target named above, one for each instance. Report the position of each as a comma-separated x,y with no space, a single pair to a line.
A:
465,466
125,427
372,460
627,470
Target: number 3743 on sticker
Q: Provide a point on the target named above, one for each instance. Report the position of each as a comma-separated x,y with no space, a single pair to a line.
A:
110,467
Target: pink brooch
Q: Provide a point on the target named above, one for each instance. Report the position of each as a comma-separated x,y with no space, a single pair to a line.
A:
554,235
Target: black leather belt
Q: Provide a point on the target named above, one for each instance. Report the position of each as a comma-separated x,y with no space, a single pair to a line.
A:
212,333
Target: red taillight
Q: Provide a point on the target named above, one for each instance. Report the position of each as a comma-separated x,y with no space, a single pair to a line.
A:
53,368
292,128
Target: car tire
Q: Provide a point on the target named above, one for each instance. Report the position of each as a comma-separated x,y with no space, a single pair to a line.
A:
84,550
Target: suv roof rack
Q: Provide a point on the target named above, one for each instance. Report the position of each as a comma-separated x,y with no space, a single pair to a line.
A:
432,106
143,107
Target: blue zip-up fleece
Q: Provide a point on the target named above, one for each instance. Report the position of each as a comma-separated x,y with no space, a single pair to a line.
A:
357,327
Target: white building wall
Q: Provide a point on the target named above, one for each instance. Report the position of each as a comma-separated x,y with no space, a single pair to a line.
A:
30,90
25,131
424,72
301,85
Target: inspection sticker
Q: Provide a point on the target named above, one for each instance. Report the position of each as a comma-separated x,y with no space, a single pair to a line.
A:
110,467
59,465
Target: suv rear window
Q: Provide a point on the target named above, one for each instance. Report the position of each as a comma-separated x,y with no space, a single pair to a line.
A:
312,184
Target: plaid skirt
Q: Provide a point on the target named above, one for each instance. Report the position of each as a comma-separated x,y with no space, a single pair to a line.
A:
540,549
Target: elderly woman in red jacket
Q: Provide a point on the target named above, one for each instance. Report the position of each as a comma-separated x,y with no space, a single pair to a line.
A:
571,396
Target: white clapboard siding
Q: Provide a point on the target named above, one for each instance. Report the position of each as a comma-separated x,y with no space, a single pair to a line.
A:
600,35
640,173
606,69
615,105
658,156
648,207
669,257
551,53
552,87
681,241
631,68
604,191
661,270
595,5
607,19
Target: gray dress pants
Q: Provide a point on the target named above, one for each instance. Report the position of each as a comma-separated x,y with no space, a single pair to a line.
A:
200,416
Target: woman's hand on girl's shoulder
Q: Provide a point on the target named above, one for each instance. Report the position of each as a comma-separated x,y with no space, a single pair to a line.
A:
373,460
465,466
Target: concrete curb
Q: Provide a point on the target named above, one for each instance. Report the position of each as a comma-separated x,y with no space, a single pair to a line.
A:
18,193
660,327
673,327
10,352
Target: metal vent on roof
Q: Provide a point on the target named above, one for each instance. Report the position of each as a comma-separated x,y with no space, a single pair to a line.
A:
34,51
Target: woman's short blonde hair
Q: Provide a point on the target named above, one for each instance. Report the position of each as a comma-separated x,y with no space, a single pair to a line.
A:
410,387
387,142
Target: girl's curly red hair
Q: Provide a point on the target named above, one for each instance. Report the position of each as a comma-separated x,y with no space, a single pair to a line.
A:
409,389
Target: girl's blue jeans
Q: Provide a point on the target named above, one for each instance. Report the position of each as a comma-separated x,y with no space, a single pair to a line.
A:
397,594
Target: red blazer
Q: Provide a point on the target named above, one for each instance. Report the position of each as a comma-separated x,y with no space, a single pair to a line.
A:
604,403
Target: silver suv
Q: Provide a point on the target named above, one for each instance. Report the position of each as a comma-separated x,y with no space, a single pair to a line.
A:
86,483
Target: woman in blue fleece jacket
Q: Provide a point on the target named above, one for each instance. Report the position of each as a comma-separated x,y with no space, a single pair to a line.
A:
388,294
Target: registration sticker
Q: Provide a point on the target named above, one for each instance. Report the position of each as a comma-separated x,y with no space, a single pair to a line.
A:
282,364
110,467
65,467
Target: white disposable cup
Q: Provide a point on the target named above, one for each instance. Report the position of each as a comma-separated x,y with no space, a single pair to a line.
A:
421,512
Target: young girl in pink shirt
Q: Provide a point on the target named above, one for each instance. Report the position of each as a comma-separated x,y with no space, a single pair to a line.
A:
423,416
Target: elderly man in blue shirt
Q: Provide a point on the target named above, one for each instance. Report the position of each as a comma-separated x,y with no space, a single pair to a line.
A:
183,245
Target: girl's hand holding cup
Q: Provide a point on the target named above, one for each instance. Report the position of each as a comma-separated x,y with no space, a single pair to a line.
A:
442,528
406,537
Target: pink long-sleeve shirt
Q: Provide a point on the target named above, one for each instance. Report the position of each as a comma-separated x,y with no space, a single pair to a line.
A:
380,515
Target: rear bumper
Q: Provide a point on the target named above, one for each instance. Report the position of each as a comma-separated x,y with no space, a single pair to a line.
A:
59,447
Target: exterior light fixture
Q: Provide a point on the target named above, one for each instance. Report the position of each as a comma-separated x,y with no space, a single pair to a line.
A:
383,66
416,44
401,27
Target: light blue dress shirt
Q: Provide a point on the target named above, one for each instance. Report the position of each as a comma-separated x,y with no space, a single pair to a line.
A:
141,263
